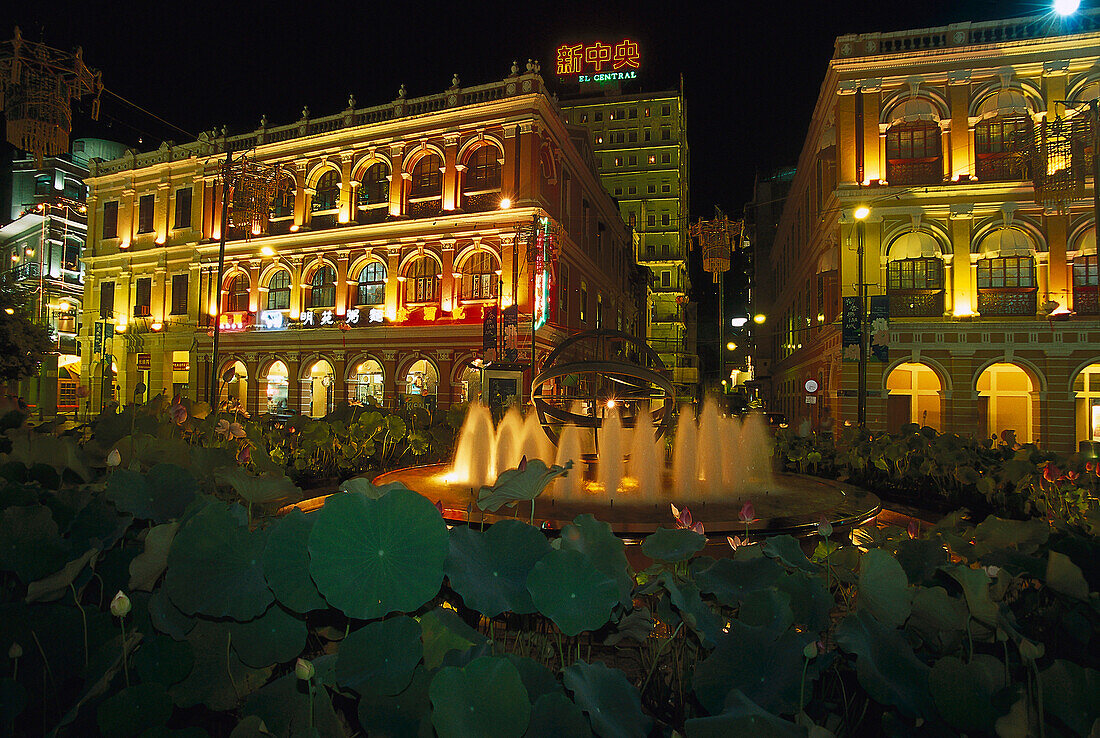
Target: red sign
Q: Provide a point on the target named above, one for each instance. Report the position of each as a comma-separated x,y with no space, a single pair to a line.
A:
144,362
233,322
180,366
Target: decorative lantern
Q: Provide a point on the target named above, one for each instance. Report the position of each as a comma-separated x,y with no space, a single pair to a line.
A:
716,238
37,84
253,188
1061,157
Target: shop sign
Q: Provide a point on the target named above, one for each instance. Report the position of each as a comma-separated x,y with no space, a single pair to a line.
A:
543,243
598,62
272,320
144,362
180,366
234,322
354,316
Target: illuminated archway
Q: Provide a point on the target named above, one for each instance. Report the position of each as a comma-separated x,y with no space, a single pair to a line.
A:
919,394
1005,394
366,385
421,382
1086,393
319,390
278,389
235,391
469,384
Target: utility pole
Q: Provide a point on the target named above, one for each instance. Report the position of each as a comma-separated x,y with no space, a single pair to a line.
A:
213,394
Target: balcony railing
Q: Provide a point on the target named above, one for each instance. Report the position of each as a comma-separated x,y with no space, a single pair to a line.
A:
914,171
1007,301
1002,168
916,303
1086,300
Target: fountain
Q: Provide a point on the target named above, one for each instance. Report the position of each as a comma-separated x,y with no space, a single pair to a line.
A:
610,424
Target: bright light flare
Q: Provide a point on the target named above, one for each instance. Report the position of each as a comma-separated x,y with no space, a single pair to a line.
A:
505,203
1066,7
861,212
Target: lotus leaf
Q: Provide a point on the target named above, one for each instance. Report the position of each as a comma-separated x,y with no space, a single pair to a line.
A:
613,704
636,625
419,442
285,707
787,551
556,716
147,567
920,558
885,664
963,692
975,585
442,631
568,588
215,567
29,543
811,600
486,698
520,485
273,638
218,680
1024,535
286,563
395,427
883,588
129,712
673,544
769,609
60,454
1072,694
259,489
167,618
97,525
537,679
57,584
161,495
490,569
162,659
604,549
938,618
372,557
362,485
380,657
685,597
406,715
768,669
252,726
731,580
1064,576
742,717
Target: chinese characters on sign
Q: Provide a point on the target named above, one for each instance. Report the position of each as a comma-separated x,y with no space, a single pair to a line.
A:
599,62
543,275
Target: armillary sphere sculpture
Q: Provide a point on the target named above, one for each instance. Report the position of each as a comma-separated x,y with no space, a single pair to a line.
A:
596,371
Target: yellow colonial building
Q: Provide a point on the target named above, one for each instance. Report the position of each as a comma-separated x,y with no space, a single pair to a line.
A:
408,245
982,294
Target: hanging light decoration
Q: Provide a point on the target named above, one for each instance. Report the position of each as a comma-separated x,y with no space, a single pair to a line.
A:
716,240
253,188
37,85
1061,157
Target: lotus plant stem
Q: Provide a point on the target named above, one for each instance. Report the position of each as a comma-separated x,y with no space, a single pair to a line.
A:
1039,698
657,657
84,622
802,684
561,654
125,664
309,687
44,659
229,664
532,511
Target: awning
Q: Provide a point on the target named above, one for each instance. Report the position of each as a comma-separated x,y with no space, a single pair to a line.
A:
1006,242
1007,103
1086,245
912,110
913,245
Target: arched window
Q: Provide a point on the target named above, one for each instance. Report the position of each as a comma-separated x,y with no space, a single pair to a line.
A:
283,204
367,386
327,192
913,153
479,277
915,287
375,186
482,178
1086,279
1006,285
278,291
322,288
1001,142
422,278
372,284
237,295
427,177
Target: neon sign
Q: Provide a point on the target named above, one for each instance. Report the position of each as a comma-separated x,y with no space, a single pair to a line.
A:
234,322
543,241
599,62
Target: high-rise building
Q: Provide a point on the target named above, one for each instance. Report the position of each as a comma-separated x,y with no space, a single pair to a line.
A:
956,165
641,149
41,244
427,250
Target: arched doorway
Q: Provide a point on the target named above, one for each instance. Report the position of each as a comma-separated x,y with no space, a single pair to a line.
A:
278,389
318,388
421,383
1086,393
469,384
366,384
1005,399
235,391
915,396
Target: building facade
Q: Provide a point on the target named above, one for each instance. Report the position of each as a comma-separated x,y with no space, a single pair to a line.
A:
41,244
982,296
640,143
394,231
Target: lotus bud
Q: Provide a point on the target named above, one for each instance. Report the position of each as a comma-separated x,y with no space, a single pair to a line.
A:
114,458
824,528
748,513
120,605
304,670
810,651
15,651
1031,651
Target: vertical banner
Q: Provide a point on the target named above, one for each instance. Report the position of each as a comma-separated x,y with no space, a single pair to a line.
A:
489,328
850,329
510,323
97,342
880,328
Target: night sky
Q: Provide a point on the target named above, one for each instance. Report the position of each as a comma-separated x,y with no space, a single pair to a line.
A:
752,70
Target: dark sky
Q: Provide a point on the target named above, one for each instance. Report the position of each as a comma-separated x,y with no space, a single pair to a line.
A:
752,69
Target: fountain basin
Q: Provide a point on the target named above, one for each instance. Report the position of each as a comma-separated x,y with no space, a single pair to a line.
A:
797,504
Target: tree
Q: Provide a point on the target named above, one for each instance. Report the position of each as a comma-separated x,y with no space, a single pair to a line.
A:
22,342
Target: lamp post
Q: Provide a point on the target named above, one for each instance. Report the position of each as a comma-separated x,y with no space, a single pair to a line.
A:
861,214
213,388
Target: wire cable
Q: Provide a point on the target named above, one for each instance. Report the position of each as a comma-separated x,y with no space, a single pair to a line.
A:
150,114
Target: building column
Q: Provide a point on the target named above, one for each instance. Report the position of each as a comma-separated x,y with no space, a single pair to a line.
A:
126,216
447,288
1058,278
301,203
254,285
393,285
162,212
528,141
339,383
158,303
508,172
450,171
252,393
294,263
964,298
444,359
506,243
873,166
958,91
389,379
294,382
347,204
846,137
397,180
207,204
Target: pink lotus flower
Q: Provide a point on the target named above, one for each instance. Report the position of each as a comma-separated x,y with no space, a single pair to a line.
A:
237,430
523,462
824,527
1072,476
438,504
178,414
748,513
244,454
736,542
914,528
1050,473
222,427
684,520
114,458
1093,466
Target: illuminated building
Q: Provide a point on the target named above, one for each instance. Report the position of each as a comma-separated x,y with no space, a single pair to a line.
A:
983,303
394,230
640,142
45,226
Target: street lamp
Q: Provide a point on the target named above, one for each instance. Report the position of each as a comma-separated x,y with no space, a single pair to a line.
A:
1066,7
759,318
861,214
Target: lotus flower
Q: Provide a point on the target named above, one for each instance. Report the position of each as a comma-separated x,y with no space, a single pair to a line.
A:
15,651
748,513
304,670
222,427
914,528
178,413
237,430
1093,466
1072,476
114,458
244,455
1050,473
438,504
684,520
824,527
736,542
120,605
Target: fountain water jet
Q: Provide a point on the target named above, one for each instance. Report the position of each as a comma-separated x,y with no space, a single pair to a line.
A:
610,468
647,458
